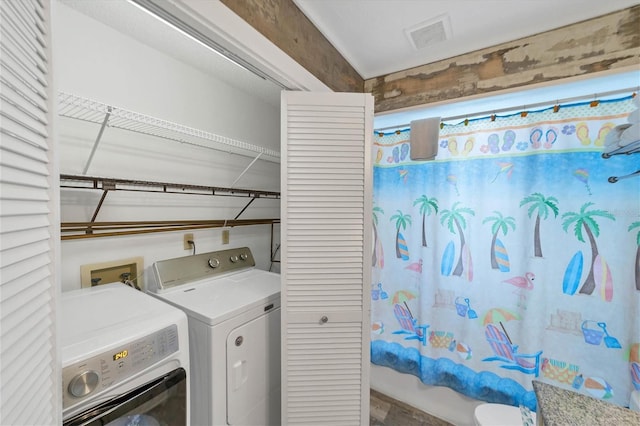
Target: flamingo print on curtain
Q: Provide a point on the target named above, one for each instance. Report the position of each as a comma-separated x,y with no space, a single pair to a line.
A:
513,256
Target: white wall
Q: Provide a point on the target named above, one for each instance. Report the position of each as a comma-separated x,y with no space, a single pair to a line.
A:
96,62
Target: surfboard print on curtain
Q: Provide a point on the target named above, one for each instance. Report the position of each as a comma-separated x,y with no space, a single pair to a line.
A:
448,257
402,221
632,227
573,274
499,255
602,277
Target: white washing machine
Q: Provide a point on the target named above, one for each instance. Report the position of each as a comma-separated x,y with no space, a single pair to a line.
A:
234,332
125,358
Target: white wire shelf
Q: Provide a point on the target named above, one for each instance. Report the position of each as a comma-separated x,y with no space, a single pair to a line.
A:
84,109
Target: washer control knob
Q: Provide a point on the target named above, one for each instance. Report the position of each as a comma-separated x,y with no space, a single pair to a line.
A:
84,383
243,256
214,263
233,259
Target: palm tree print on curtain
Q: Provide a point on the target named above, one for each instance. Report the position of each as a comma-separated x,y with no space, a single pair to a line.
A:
585,220
377,251
540,205
427,206
545,215
456,223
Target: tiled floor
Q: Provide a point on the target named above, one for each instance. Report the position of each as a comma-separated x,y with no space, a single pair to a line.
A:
386,411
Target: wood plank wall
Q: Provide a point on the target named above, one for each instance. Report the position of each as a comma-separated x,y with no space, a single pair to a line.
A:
606,43
287,27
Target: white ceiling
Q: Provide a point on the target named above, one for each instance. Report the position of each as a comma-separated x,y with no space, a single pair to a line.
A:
370,34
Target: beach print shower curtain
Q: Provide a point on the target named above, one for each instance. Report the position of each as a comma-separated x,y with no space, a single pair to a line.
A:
513,256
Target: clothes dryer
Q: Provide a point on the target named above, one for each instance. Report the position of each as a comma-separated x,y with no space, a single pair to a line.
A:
234,332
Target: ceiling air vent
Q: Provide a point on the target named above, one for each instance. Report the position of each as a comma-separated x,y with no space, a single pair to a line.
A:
430,32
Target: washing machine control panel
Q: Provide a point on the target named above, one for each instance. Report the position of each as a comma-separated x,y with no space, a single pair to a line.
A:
100,372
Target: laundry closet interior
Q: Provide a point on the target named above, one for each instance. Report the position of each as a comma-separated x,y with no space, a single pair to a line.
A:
168,113
159,158
170,180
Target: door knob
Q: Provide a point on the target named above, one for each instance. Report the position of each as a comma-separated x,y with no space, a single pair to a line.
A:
324,319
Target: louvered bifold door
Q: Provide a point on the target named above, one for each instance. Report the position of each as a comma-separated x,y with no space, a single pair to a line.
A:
28,367
326,241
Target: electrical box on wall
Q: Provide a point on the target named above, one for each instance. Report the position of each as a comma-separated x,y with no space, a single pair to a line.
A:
109,272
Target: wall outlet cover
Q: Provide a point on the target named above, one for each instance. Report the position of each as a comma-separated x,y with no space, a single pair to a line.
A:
186,239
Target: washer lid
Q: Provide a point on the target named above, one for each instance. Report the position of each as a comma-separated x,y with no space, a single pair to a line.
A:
96,318
215,300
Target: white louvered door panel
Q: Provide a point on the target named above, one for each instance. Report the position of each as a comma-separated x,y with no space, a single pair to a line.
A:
29,369
326,239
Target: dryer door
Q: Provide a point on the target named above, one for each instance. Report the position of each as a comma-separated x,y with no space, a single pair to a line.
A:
161,401
253,372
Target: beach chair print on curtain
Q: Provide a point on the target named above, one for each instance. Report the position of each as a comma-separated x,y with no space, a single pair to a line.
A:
508,353
409,325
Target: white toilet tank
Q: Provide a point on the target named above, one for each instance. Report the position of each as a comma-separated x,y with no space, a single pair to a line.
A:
500,415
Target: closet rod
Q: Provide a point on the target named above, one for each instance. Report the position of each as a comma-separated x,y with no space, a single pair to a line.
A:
512,109
113,184
99,228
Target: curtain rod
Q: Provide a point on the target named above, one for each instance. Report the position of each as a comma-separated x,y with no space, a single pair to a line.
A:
536,105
